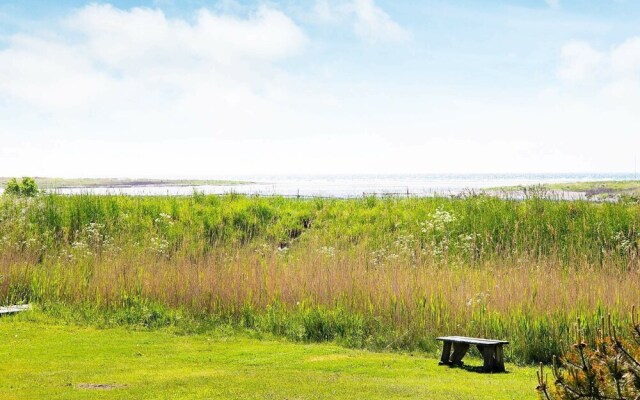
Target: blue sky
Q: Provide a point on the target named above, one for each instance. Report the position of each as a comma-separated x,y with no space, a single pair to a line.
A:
170,88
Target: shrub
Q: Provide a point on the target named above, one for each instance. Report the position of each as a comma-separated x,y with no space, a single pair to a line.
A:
610,369
12,187
27,188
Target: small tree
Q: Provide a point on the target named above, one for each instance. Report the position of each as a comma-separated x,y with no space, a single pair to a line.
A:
27,188
609,370
12,187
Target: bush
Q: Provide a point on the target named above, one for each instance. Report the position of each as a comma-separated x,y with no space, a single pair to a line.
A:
608,370
27,188
12,187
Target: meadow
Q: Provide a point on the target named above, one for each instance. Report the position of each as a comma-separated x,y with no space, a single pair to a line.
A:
371,273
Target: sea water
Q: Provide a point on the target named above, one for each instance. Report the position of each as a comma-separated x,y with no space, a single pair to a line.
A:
359,185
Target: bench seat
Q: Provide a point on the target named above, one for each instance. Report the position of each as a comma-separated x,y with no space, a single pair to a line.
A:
470,340
14,309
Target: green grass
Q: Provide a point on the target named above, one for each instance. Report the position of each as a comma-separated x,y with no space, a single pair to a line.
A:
366,273
41,358
61,183
591,189
595,185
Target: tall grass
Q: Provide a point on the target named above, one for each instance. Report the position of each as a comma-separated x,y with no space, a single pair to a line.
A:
376,273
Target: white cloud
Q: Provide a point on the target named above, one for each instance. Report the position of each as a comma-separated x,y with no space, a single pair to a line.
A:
370,22
580,61
118,36
374,25
104,54
598,99
107,75
323,11
625,58
553,3
613,74
47,73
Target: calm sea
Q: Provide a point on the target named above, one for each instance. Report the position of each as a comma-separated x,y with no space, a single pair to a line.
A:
359,185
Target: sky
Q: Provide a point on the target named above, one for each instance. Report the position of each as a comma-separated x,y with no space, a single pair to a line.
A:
195,88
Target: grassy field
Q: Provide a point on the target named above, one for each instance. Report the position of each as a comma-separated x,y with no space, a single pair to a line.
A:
43,359
62,183
381,274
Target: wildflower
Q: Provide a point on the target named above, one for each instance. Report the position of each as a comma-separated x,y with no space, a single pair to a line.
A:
327,251
164,219
159,245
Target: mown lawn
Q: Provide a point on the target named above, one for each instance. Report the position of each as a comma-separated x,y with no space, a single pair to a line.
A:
41,360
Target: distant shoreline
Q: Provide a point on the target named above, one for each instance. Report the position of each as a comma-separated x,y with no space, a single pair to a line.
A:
591,189
596,190
114,183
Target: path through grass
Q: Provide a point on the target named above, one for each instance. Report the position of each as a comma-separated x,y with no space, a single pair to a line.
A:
45,360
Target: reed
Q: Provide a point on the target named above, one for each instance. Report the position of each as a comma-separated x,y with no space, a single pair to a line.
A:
376,273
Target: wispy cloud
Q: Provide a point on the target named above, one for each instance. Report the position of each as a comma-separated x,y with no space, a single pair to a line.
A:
553,3
625,58
374,25
369,21
581,62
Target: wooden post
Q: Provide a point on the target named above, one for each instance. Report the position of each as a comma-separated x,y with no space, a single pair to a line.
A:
446,352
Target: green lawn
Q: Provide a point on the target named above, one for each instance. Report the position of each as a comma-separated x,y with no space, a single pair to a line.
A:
46,360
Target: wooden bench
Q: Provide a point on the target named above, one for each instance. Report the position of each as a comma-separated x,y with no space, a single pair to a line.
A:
14,309
491,351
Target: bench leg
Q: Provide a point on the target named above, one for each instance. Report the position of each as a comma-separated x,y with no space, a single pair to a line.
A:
499,359
446,352
489,357
459,350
